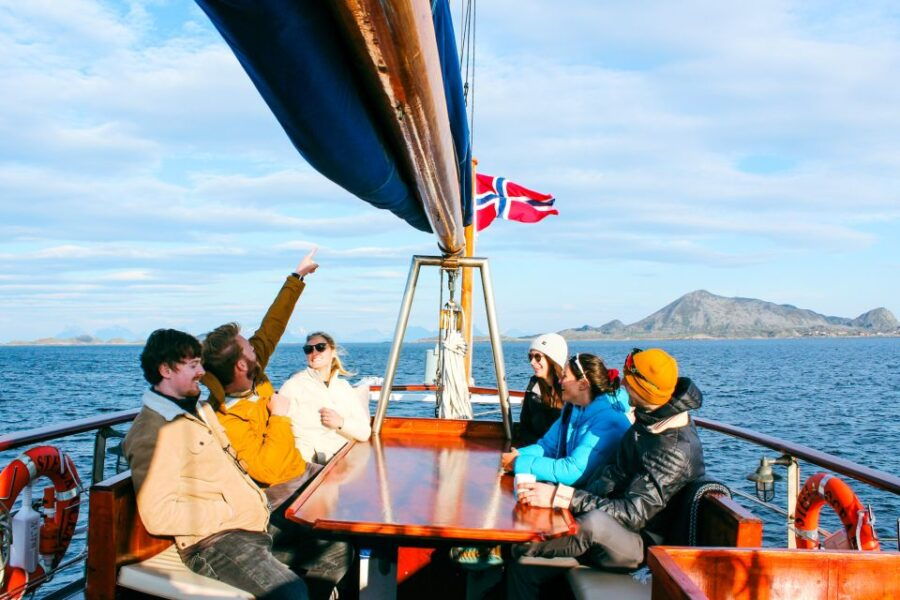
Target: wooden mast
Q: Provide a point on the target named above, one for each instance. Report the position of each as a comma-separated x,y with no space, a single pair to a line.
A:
467,282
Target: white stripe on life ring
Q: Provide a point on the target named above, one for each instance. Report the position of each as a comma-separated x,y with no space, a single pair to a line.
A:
67,495
29,464
823,484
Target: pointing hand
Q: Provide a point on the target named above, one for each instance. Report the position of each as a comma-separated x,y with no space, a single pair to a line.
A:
308,264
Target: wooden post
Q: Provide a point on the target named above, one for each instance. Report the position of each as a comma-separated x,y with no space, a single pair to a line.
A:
467,280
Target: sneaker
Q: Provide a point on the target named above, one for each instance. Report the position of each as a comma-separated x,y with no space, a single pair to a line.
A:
477,557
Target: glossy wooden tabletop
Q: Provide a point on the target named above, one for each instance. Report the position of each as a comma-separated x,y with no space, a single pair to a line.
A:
425,479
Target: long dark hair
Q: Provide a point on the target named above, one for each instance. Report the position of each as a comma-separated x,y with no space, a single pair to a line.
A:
551,391
602,380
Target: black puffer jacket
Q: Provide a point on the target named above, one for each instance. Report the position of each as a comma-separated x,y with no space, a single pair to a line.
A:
649,468
536,417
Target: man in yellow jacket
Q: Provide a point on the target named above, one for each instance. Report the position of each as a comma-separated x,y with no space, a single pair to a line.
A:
253,415
256,422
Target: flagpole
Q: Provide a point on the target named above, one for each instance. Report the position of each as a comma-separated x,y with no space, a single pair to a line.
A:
467,282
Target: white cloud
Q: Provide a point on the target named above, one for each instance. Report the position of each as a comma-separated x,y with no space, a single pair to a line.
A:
134,151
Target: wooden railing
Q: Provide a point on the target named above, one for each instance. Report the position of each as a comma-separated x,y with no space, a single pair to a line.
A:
18,439
873,477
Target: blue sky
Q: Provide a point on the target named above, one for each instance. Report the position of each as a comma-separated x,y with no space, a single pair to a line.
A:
750,149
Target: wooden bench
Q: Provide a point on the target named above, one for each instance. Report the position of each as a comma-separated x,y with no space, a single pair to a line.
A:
719,521
125,560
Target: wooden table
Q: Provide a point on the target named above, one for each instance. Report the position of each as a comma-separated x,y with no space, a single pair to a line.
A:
424,483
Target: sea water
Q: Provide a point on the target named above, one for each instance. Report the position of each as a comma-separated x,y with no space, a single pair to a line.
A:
837,395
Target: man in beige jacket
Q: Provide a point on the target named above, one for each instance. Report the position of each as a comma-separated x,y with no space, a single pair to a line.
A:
189,483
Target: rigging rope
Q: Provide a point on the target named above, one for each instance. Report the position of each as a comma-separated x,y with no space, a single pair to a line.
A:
468,10
452,396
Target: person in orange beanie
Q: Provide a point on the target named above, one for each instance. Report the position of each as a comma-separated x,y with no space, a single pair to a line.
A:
619,505
651,375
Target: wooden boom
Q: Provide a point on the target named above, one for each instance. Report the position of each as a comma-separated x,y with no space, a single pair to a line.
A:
396,46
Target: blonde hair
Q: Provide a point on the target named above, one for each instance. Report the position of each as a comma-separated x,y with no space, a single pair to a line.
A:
336,365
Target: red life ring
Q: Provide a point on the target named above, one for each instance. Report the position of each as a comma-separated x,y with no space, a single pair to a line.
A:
61,504
857,521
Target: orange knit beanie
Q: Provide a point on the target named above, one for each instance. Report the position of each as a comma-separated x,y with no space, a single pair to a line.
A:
652,375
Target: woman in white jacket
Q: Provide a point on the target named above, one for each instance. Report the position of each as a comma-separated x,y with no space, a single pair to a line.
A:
325,410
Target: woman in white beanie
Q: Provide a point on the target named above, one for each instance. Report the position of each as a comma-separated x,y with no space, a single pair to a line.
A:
542,404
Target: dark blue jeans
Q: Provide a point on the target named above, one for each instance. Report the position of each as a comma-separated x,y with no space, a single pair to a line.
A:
244,559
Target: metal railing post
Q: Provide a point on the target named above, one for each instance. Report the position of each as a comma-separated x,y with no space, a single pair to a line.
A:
399,332
405,306
494,332
793,490
99,465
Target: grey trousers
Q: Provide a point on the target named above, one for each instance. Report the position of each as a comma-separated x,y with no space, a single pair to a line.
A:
601,542
244,559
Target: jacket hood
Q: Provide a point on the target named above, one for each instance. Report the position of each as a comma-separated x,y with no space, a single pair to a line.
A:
686,396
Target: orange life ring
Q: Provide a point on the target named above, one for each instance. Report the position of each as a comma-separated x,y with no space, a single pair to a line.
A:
857,521
61,504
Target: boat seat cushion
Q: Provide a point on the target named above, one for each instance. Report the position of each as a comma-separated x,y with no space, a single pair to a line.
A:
165,576
588,584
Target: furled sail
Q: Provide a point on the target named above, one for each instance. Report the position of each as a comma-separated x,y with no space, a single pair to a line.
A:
370,94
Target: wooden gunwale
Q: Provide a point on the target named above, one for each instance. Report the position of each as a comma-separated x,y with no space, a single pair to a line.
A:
432,388
767,573
18,439
873,477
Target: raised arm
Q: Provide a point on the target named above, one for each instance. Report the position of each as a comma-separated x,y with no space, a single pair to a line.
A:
266,338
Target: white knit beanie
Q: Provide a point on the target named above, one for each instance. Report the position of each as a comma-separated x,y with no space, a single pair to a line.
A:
553,346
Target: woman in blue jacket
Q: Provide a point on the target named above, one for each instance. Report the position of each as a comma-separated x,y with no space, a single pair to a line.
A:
587,432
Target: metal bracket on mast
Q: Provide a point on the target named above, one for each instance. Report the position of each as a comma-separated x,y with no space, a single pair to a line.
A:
453,262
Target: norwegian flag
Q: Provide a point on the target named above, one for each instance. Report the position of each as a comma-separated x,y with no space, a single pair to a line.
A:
498,197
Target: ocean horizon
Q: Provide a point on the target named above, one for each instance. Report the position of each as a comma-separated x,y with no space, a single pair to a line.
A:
837,395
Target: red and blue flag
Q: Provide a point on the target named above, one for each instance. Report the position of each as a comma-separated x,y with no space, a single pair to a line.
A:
497,197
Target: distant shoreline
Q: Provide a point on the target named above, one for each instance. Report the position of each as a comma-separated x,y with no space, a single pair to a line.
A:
695,338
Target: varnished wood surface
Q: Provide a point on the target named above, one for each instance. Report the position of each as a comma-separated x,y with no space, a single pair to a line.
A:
396,47
724,522
425,479
763,574
116,535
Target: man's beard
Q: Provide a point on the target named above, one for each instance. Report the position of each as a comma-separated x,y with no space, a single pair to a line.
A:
253,371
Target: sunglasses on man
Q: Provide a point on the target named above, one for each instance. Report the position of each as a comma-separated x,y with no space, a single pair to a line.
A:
631,369
320,347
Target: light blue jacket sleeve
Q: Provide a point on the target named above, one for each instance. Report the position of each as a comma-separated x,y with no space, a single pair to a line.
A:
592,443
546,446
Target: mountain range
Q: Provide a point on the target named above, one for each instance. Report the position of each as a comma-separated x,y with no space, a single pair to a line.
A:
701,314
698,314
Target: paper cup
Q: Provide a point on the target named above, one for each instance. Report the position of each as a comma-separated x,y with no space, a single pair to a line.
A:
522,478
